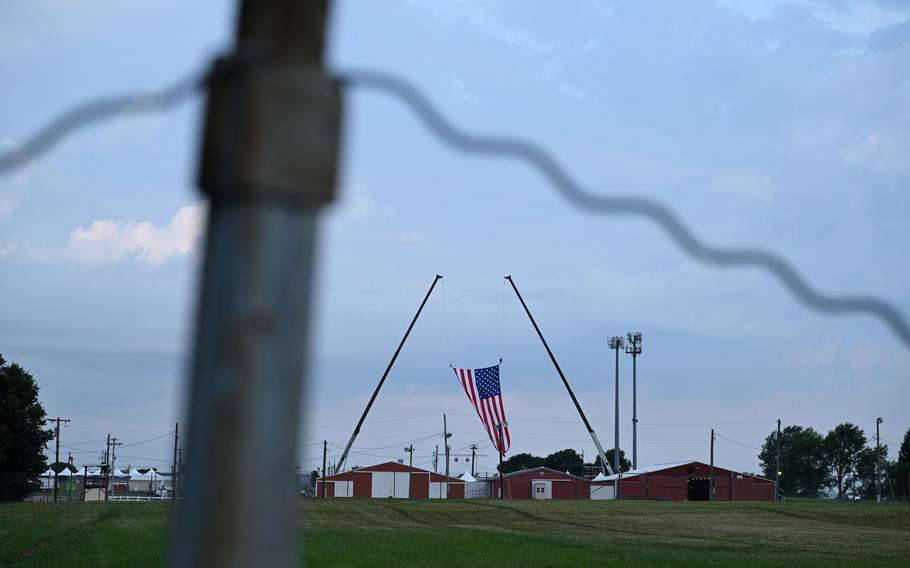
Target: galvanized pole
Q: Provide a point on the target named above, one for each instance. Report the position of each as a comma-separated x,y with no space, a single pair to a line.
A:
633,347
268,164
616,344
634,411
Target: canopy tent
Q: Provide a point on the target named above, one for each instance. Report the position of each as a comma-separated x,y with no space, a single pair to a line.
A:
66,473
467,477
600,477
149,475
49,473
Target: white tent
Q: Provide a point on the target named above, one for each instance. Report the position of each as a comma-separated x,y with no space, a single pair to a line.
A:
467,477
66,473
600,477
136,476
94,471
47,479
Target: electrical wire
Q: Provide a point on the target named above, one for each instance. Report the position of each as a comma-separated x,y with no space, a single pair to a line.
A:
147,441
630,205
95,111
736,442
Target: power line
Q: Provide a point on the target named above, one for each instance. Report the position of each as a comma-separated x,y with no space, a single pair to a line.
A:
736,441
650,209
95,111
147,441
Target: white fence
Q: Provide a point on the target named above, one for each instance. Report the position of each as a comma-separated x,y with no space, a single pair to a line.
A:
136,498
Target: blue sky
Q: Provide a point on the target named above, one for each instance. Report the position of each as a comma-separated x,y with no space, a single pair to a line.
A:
783,125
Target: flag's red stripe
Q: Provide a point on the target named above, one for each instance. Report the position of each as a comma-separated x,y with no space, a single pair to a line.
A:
486,420
473,393
499,420
492,410
503,412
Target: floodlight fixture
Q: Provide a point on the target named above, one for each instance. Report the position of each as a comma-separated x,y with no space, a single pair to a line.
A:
615,342
633,343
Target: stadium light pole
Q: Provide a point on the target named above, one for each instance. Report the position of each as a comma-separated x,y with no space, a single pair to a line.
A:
633,347
878,449
616,343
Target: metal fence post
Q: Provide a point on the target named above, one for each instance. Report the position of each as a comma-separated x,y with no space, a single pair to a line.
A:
268,164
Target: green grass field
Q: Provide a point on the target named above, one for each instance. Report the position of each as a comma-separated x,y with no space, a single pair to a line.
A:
490,533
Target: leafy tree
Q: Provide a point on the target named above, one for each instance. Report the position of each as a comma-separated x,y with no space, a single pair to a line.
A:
803,462
900,470
843,445
23,437
625,464
865,470
519,462
565,460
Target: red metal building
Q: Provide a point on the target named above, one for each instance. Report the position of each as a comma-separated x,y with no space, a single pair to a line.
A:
391,480
543,483
690,481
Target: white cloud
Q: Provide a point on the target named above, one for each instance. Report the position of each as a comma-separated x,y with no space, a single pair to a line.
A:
110,241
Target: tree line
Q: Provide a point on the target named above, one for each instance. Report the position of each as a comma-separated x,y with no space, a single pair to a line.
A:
841,461
563,460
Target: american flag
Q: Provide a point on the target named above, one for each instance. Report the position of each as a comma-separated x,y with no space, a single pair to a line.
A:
482,388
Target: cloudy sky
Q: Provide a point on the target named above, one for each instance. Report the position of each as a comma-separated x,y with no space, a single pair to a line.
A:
784,125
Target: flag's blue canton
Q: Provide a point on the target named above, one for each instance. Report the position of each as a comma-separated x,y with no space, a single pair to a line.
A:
487,380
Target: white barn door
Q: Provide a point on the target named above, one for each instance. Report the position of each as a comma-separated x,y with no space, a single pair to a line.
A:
383,484
437,490
344,488
402,485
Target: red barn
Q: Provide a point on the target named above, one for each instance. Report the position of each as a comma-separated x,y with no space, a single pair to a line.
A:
543,483
391,480
691,481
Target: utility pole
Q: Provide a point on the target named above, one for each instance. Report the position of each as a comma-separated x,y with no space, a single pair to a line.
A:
711,496
268,164
174,463
502,489
58,420
633,347
878,447
616,343
436,459
777,465
410,451
473,458
446,435
113,461
107,467
325,452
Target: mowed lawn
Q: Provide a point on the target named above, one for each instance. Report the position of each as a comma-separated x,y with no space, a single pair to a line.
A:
492,533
